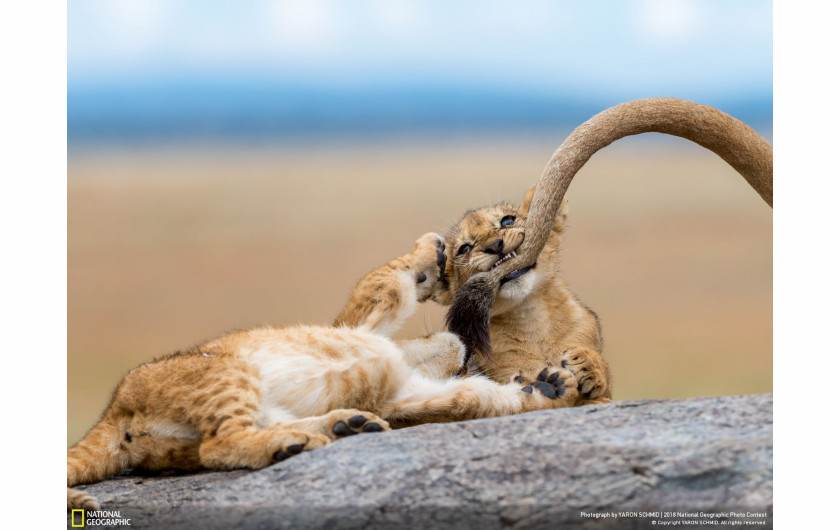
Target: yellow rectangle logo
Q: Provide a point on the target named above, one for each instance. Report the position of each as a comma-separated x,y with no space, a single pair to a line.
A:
73,519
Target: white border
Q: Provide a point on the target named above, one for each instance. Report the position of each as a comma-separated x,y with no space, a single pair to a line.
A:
33,216
806,264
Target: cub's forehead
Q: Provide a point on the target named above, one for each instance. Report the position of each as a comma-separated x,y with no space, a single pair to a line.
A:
475,222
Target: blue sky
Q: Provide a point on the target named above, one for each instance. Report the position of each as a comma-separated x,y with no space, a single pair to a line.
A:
713,51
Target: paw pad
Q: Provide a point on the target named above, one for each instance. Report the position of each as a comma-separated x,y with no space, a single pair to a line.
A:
355,425
357,421
549,385
341,429
294,449
291,450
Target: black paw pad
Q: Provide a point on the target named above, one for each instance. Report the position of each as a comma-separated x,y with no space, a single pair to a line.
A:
528,389
551,390
553,377
543,375
341,429
545,389
373,427
441,263
280,455
357,421
294,449
564,363
421,277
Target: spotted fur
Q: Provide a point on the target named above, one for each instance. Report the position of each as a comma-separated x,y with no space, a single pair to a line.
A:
255,397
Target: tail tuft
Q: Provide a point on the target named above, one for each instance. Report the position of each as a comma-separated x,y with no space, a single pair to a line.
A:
469,315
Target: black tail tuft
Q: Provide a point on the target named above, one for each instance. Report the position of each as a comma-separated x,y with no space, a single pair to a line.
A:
469,315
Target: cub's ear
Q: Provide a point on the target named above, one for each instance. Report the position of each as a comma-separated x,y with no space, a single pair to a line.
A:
526,202
559,221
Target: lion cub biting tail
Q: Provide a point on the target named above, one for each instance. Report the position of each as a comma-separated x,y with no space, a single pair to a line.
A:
535,319
252,398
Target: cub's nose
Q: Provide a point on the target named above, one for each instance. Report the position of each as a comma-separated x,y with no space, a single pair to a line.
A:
495,247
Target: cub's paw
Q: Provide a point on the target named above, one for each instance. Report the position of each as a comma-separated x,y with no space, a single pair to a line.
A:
429,265
79,499
552,382
590,370
451,357
351,422
293,443
558,385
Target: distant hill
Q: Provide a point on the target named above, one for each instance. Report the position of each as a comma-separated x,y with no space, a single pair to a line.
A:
130,113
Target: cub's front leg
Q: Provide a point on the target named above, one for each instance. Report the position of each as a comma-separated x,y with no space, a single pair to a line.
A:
591,372
429,262
524,364
476,397
385,297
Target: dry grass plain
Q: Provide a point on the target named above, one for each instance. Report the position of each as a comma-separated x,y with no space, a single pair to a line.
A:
171,246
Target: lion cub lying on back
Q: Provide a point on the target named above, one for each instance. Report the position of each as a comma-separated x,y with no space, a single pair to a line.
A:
537,325
252,398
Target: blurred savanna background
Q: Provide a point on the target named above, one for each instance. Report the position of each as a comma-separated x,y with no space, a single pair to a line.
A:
244,163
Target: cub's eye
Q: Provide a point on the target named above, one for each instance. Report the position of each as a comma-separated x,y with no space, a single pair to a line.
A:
463,249
507,221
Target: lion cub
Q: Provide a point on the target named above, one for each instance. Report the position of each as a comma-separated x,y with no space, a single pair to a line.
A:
255,397
536,324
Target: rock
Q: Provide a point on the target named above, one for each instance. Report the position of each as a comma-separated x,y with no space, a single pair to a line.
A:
706,458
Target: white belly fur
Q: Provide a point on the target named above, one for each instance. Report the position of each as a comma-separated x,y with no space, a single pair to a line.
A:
300,380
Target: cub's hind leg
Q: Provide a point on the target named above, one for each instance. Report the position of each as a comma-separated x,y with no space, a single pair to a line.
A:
438,356
91,460
385,297
255,448
228,422
138,429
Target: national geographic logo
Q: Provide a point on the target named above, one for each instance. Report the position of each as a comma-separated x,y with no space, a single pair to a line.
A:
83,519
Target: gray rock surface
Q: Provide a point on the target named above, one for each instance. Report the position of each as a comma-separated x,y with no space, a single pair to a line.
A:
706,458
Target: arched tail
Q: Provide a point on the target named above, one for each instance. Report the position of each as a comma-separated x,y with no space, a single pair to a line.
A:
731,139
734,141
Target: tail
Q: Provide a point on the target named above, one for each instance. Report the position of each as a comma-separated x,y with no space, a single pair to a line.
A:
734,141
96,456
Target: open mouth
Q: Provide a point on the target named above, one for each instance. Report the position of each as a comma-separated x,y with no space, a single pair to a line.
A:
515,274
504,258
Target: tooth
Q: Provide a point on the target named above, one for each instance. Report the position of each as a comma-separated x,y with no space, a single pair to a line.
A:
514,253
